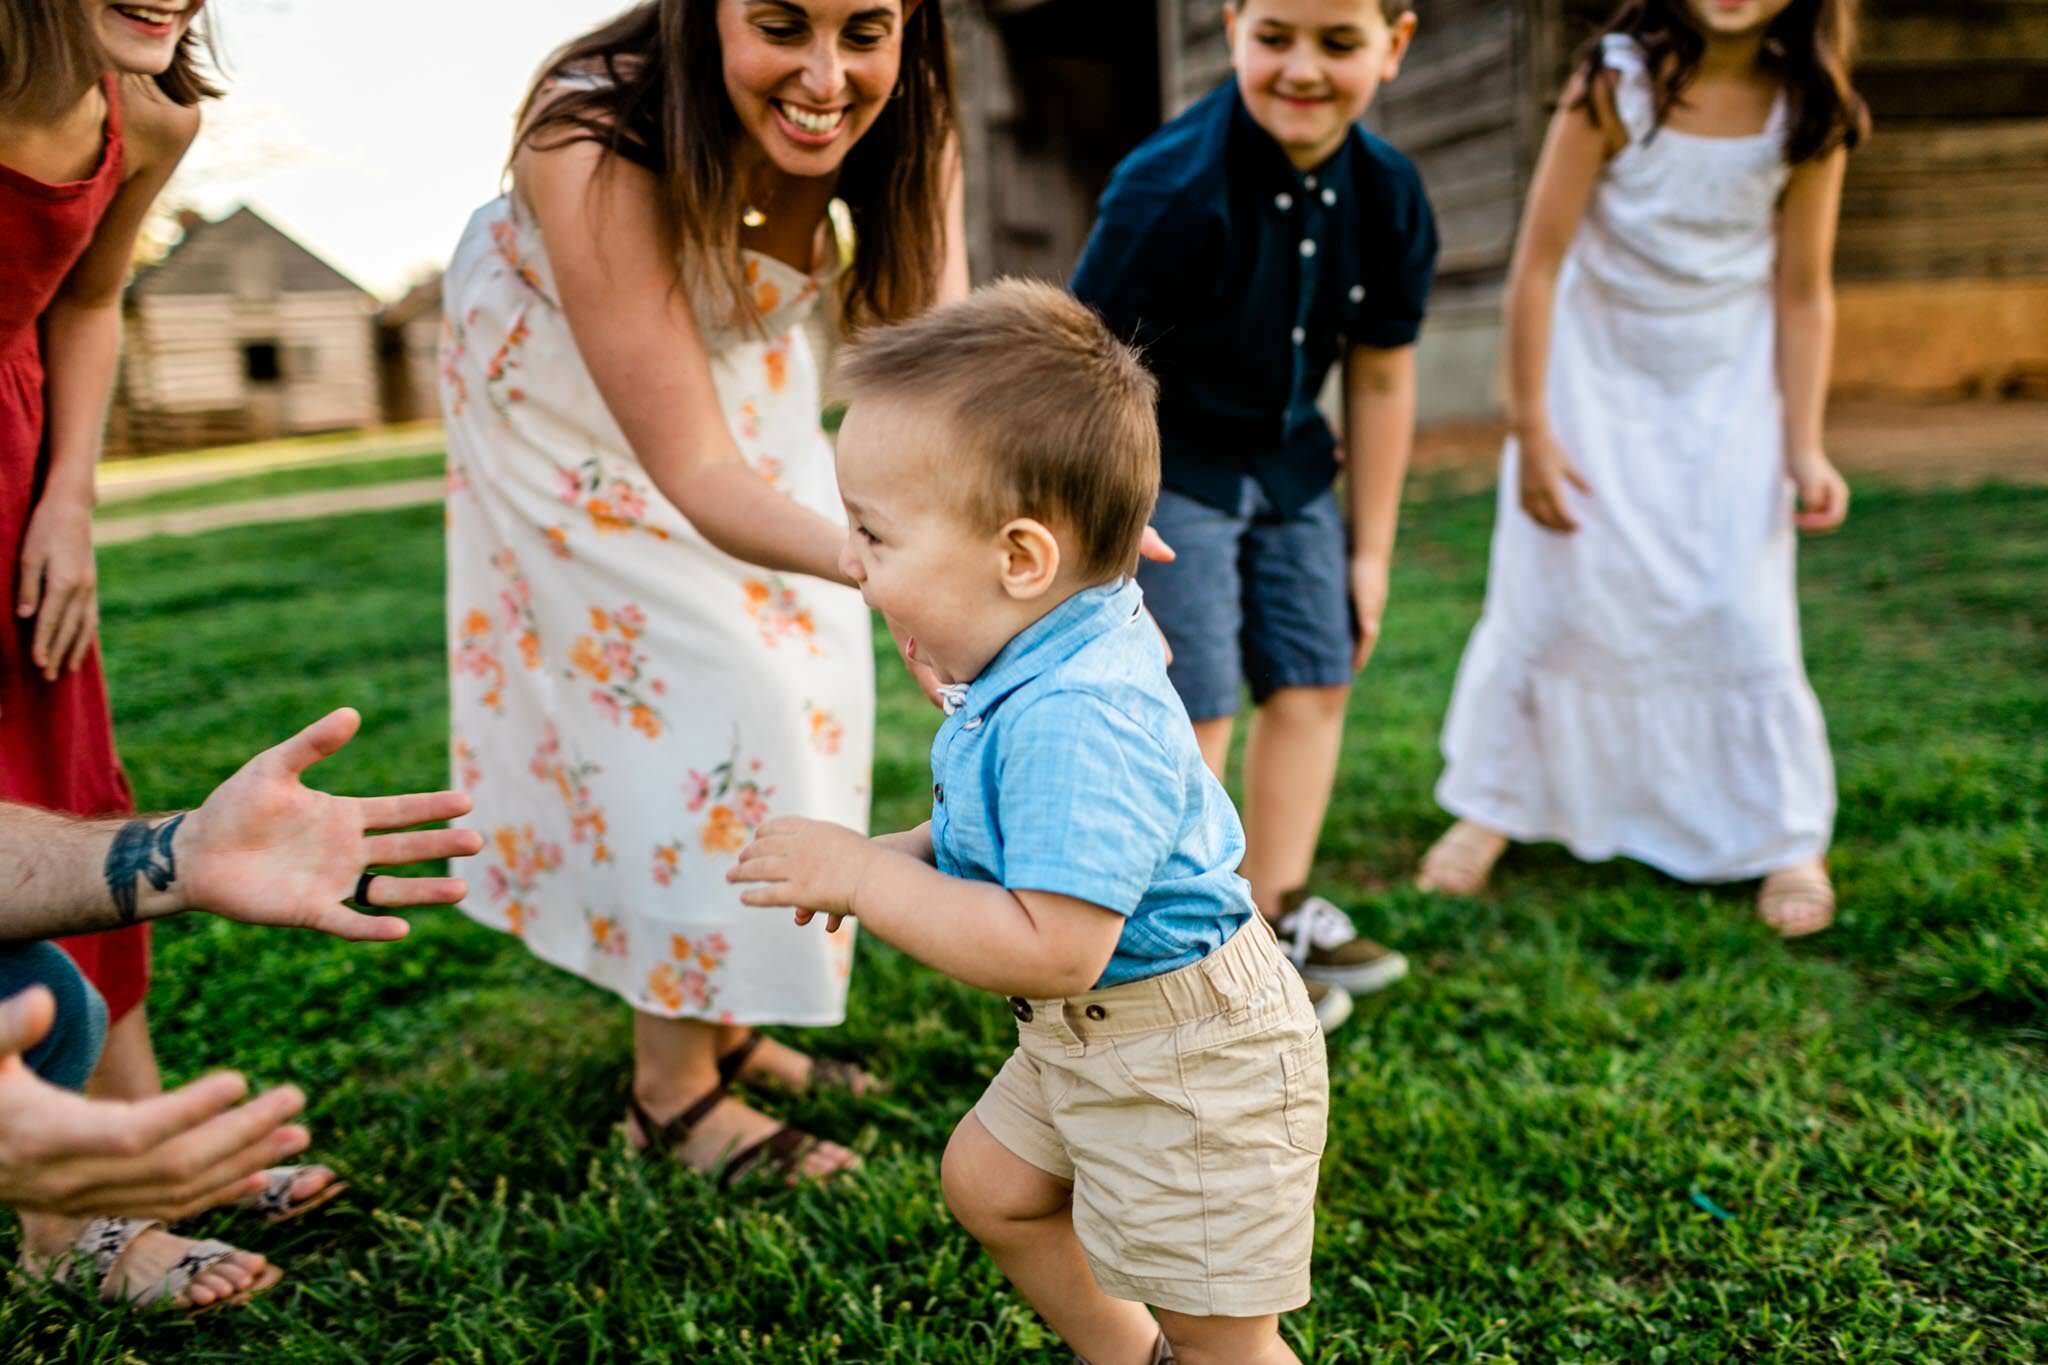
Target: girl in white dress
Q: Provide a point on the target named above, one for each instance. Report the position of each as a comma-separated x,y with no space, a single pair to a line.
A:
1634,686
641,670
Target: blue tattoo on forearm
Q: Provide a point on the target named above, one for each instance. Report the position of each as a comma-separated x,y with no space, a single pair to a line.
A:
140,851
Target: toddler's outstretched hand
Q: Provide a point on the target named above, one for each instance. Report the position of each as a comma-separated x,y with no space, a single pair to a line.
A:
1545,469
1823,493
812,866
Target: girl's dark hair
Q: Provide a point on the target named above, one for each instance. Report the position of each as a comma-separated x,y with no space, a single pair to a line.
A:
49,56
1810,46
662,105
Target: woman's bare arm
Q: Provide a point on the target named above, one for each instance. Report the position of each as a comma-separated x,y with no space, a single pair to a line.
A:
637,334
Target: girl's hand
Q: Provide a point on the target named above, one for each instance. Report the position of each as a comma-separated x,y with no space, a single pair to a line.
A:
1823,493
1368,601
811,866
1545,469
59,585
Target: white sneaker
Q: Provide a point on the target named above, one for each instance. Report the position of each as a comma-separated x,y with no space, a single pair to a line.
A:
1319,939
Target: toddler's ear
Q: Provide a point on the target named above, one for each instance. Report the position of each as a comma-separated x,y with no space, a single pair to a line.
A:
1031,558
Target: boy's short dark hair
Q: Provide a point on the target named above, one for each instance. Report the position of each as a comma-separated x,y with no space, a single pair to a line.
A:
1056,419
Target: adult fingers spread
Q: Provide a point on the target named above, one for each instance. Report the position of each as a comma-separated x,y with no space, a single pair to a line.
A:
196,1183
345,923
415,808
399,893
317,741
421,845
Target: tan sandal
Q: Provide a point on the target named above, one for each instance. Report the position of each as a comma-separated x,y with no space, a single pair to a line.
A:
1461,860
107,1240
1797,901
274,1202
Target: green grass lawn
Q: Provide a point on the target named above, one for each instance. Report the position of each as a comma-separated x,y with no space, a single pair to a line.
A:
275,483
1517,1130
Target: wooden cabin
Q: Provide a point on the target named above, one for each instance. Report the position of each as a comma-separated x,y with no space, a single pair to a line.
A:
408,354
1943,263
241,333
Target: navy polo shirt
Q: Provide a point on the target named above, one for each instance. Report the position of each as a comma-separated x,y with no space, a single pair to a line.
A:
1242,279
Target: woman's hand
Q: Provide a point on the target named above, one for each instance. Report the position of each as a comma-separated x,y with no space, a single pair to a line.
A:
1545,469
60,585
1823,492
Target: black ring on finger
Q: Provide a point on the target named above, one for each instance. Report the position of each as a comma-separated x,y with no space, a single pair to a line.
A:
362,895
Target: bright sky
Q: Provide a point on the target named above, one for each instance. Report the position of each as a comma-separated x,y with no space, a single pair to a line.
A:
370,130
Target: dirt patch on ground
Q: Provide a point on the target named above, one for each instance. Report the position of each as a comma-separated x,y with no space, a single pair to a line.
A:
1916,444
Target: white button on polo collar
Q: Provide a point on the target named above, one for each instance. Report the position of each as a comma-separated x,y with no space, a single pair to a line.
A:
1308,246
1329,196
1357,293
1300,335
1309,181
1283,201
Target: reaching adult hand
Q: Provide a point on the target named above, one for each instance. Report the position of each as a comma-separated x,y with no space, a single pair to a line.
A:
265,849
167,1157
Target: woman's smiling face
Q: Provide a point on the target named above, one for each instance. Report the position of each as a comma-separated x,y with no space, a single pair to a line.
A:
141,38
809,77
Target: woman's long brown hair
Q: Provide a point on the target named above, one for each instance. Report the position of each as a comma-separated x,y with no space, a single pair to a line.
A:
662,105
50,56
1810,46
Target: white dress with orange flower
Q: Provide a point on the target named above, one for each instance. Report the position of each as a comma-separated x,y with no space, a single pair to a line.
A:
629,702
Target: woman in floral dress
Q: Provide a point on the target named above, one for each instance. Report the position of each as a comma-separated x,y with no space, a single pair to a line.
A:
653,648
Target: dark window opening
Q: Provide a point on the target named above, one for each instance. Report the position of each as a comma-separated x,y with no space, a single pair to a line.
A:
262,363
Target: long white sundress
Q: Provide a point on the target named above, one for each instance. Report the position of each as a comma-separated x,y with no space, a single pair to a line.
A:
1636,688
629,702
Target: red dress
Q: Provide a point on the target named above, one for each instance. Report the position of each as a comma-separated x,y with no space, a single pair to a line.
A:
56,739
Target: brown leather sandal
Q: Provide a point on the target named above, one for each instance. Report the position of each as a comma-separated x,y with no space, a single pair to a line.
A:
783,1151
827,1073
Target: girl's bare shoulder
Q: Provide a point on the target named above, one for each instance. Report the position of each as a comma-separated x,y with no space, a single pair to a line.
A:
157,128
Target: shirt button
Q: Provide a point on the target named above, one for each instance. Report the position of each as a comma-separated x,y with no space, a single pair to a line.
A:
973,723
1300,335
1329,196
1020,1007
1309,181
1283,201
1357,293
1308,246
1096,1012
939,792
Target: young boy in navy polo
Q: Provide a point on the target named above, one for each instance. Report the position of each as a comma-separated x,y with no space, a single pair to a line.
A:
1246,247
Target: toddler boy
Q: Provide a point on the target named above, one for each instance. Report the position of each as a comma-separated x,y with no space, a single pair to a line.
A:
1154,1138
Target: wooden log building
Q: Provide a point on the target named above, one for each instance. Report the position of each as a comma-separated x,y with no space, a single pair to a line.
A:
1943,263
241,333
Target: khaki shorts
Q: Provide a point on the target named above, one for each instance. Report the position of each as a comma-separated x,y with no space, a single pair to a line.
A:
1188,1113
